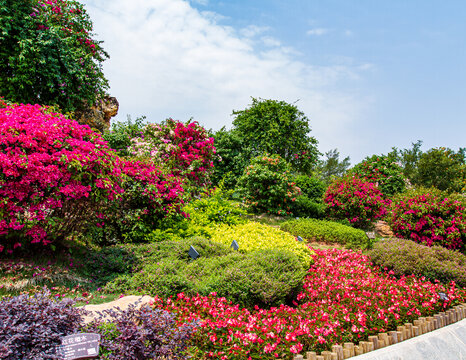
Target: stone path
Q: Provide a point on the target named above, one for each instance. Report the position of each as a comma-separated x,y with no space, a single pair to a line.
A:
122,303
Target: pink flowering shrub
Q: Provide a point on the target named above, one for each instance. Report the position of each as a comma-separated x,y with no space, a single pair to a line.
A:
430,217
356,200
183,149
53,174
58,177
344,299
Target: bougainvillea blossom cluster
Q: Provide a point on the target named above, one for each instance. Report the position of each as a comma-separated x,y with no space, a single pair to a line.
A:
430,217
57,176
344,299
183,149
355,199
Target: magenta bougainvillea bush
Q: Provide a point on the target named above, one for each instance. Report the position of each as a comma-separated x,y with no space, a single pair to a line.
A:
57,176
356,200
344,299
430,217
183,149
53,173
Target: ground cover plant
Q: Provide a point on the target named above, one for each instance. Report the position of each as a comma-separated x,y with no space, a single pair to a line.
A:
430,217
255,236
344,299
327,231
405,257
356,200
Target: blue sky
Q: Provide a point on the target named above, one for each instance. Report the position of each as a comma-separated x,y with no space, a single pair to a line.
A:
369,75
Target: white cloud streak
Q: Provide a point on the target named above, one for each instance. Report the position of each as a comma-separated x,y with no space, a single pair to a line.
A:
317,31
170,60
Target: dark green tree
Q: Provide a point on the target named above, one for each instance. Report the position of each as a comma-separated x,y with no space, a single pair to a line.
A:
276,127
331,166
48,55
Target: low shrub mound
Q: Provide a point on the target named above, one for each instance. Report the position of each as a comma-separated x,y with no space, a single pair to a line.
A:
255,236
430,217
327,231
264,277
143,333
31,327
344,299
356,200
405,257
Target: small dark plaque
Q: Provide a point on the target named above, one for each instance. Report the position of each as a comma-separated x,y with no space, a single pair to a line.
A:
234,245
193,253
443,296
370,235
79,346
300,238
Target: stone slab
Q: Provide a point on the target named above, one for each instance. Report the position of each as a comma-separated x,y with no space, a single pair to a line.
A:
447,343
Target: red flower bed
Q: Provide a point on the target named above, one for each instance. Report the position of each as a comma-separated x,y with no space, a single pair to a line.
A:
344,299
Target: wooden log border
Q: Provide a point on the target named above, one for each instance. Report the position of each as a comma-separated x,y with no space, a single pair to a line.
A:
420,326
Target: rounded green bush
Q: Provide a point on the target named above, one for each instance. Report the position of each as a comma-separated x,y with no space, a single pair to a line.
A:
405,257
255,236
327,231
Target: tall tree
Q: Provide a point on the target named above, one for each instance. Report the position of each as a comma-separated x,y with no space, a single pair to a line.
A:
48,55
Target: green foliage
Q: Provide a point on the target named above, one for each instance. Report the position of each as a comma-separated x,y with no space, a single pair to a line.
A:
382,170
254,236
233,155
47,54
408,158
120,135
309,203
331,166
277,127
405,257
442,168
267,185
303,206
265,278
211,210
328,232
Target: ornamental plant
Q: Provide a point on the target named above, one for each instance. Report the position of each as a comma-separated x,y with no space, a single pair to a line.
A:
48,54
31,327
429,217
255,236
355,200
344,299
183,149
268,186
381,170
54,175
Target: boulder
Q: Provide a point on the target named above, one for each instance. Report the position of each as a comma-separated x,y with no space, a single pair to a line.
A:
382,229
98,116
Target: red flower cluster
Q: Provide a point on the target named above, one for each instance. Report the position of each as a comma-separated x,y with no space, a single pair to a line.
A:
430,218
344,299
355,199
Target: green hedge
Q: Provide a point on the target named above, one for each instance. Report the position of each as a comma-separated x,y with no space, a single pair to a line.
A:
405,257
327,231
263,277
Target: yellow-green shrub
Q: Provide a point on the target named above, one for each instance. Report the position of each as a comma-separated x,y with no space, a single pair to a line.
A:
255,236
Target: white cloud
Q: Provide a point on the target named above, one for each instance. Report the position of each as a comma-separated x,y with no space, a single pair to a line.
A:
317,31
182,63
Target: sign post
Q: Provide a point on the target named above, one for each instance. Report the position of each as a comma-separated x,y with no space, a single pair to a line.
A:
79,346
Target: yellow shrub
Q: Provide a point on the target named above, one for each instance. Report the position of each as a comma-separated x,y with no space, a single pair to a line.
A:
254,236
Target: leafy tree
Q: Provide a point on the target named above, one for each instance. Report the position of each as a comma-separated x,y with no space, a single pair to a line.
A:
442,168
408,158
48,55
276,127
331,166
120,135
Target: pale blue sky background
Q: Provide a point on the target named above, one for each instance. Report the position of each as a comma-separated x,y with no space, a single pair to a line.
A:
368,74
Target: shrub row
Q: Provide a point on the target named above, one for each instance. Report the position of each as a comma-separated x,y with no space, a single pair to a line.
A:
405,257
327,231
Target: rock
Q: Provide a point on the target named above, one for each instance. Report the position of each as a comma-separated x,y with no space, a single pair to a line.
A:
99,115
121,303
382,229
